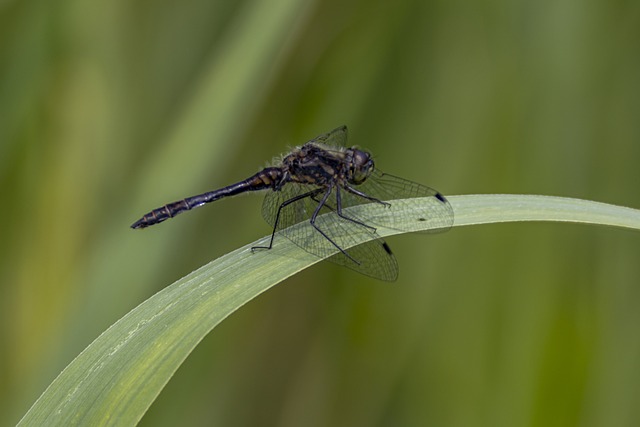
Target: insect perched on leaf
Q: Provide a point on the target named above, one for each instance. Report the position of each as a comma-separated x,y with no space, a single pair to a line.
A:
318,183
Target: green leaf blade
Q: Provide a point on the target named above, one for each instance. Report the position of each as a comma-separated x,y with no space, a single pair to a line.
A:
118,376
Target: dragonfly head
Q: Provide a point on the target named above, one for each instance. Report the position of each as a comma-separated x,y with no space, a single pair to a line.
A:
360,166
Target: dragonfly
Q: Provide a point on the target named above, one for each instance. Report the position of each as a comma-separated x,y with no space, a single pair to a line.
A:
313,196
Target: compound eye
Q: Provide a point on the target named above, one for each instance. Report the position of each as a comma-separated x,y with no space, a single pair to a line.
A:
362,166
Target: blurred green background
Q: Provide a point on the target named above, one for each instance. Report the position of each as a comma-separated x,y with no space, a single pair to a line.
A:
111,108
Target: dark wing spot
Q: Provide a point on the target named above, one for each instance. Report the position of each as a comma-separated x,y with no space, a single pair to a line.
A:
387,248
422,219
440,197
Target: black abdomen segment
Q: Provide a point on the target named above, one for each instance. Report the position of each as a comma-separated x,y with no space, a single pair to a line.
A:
266,178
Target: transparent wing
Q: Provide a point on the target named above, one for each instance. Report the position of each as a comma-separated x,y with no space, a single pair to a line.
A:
294,212
437,211
335,138
297,203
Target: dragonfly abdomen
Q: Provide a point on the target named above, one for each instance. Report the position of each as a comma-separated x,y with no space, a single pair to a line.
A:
267,178
165,212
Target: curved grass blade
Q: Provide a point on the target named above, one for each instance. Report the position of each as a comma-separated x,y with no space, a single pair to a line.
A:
118,376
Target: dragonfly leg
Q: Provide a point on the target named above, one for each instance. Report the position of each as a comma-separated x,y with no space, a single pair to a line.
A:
311,194
361,194
322,203
341,215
